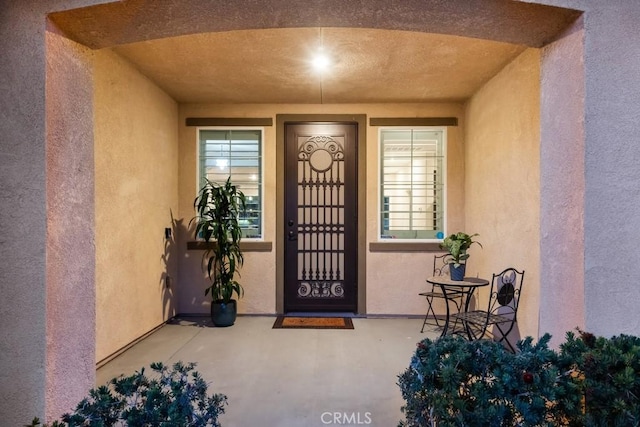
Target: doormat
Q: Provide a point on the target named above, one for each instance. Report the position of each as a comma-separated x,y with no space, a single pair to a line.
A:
284,322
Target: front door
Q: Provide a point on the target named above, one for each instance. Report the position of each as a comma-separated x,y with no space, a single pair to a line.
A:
320,217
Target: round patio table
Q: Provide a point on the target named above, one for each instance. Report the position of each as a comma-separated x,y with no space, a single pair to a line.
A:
456,288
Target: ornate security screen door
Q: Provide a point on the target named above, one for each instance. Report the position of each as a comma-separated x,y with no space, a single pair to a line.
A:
320,217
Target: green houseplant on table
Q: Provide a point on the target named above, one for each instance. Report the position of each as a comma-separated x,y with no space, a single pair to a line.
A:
457,244
217,209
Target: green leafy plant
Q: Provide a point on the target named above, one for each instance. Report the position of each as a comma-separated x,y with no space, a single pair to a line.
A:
455,382
609,377
457,245
590,381
175,397
217,210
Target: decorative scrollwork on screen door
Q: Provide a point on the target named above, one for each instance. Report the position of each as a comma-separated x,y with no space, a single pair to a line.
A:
320,217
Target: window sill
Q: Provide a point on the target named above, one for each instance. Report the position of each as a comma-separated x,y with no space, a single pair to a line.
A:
404,247
248,246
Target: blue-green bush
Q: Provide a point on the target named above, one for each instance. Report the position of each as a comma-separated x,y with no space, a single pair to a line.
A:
589,381
609,378
174,397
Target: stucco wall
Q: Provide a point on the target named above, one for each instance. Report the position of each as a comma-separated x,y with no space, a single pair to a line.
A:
70,223
502,182
22,216
591,114
611,111
136,198
562,154
258,275
46,217
612,175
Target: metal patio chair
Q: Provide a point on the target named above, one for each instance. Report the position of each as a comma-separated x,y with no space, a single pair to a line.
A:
501,313
440,268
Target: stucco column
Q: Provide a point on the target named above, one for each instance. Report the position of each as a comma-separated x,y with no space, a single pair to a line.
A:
47,337
602,254
562,187
612,172
22,214
70,256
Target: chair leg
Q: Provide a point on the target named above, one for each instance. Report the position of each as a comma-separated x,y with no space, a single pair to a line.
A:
478,333
430,312
504,337
424,323
456,300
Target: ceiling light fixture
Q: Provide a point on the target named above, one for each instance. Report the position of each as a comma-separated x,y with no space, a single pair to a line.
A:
321,59
321,62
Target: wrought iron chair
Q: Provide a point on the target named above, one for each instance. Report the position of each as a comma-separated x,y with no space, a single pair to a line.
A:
501,313
440,268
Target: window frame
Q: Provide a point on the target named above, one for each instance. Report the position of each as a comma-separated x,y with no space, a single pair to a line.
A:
379,191
199,172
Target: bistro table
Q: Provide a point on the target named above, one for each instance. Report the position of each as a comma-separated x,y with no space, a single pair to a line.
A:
451,289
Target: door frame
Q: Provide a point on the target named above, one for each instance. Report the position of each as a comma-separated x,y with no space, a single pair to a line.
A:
361,121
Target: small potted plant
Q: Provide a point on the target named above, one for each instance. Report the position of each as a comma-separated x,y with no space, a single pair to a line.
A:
217,209
457,245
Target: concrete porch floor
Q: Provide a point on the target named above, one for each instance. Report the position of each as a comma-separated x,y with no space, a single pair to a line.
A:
288,377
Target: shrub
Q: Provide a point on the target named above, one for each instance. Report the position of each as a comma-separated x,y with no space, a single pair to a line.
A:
590,381
455,382
609,378
175,397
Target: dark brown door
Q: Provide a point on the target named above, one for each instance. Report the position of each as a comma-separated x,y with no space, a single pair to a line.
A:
320,217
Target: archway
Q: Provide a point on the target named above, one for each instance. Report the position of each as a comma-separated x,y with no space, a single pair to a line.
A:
115,23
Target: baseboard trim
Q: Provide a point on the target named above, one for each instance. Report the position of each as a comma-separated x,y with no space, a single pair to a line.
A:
118,352
395,316
191,315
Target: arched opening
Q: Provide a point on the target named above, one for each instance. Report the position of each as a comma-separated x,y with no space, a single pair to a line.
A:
114,24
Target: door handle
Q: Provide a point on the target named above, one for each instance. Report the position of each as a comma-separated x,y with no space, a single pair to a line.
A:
292,236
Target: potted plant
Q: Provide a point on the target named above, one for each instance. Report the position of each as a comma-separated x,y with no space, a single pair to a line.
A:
217,209
457,245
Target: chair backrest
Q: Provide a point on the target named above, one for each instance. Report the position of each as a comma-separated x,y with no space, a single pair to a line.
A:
441,264
505,292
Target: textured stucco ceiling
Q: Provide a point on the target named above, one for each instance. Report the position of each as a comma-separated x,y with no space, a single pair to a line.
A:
247,51
273,66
